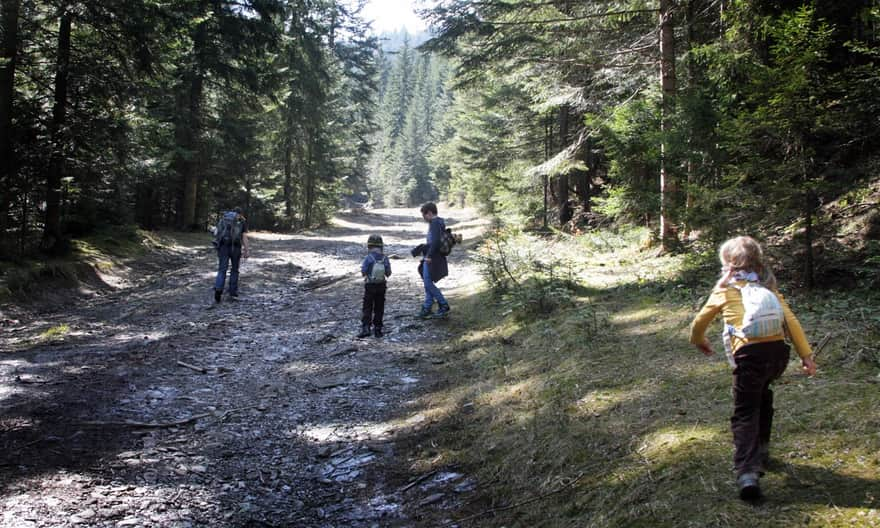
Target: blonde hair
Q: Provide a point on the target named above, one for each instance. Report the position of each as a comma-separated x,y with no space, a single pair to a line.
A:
744,253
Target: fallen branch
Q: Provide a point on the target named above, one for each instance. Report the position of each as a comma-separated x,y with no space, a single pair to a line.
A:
197,369
821,345
517,505
206,370
160,425
418,479
30,381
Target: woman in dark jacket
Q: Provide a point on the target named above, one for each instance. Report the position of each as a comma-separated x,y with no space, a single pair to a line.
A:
433,266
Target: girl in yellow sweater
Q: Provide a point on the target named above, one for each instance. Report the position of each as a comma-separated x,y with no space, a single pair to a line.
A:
756,323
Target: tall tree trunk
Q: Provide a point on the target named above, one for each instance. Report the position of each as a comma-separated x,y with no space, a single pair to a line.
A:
188,127
23,221
548,147
565,212
288,183
667,88
309,184
586,177
691,79
8,53
51,242
248,190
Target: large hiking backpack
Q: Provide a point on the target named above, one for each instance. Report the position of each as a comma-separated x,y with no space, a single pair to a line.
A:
447,241
229,229
376,271
763,316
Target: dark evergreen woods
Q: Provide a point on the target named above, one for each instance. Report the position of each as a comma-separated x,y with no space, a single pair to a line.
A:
699,118
414,100
694,116
161,113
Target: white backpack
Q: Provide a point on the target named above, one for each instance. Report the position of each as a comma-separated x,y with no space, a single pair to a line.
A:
377,271
763,316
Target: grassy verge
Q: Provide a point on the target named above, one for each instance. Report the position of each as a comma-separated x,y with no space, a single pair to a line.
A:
599,413
107,251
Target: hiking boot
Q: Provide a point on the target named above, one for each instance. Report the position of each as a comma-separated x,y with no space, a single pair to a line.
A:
443,311
234,296
749,489
365,331
218,295
377,331
424,313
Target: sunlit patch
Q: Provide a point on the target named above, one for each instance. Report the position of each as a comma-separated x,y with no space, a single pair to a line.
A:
640,322
303,367
477,336
670,442
146,337
370,228
337,432
598,402
508,393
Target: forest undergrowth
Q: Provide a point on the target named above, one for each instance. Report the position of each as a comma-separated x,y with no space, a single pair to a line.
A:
101,261
574,396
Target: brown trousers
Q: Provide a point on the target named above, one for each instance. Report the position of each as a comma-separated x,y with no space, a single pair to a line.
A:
757,366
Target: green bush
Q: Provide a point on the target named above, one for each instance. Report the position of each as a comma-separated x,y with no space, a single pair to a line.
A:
528,285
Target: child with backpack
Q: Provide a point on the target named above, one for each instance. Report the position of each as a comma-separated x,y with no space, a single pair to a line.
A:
231,243
756,322
375,268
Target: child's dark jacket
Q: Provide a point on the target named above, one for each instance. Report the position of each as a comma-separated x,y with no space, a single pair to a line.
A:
439,268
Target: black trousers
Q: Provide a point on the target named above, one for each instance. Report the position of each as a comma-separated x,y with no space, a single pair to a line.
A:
374,304
757,366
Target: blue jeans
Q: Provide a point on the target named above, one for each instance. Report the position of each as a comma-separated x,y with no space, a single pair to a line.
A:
225,253
432,293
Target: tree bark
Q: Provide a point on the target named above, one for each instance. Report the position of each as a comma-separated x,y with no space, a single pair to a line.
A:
8,53
187,129
288,183
691,79
548,140
565,212
667,88
309,182
52,226
585,180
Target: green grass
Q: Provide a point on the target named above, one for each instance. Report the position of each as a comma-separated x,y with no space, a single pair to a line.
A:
55,333
608,391
107,250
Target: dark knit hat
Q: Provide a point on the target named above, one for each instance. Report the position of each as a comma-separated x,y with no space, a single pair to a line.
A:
374,241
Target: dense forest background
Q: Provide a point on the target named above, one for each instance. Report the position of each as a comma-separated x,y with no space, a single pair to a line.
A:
695,117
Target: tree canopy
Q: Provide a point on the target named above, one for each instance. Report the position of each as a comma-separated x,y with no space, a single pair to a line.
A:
695,117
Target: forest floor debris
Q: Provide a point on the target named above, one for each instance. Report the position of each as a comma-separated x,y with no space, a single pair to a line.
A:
157,407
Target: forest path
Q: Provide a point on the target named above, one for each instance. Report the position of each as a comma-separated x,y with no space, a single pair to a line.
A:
291,420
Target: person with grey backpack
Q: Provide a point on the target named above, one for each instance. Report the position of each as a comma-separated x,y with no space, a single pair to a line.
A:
231,243
375,269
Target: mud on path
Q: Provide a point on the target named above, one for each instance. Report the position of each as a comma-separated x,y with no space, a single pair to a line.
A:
159,408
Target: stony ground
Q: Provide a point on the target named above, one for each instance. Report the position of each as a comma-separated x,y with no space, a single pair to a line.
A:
155,407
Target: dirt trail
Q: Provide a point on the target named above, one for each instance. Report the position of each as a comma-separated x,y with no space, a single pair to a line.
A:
286,420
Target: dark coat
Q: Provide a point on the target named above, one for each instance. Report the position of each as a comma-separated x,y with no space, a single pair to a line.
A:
439,266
